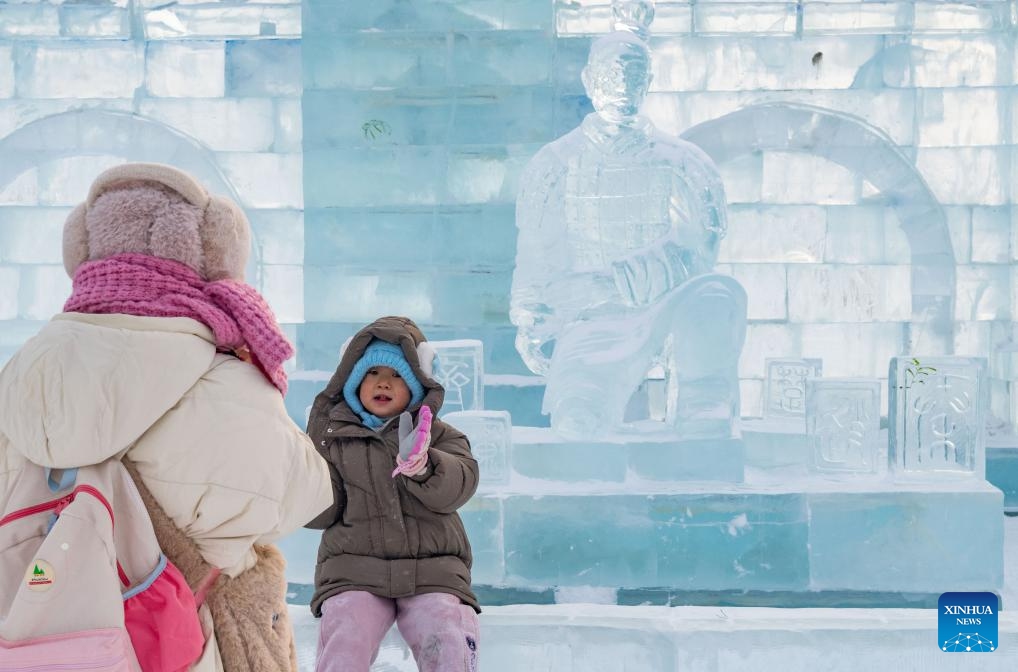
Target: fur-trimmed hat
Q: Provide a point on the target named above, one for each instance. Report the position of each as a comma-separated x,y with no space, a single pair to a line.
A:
380,353
154,209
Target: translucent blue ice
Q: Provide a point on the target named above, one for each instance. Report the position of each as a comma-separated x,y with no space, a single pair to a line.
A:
619,228
938,415
843,424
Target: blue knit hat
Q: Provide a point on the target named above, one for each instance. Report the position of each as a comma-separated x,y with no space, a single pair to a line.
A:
380,353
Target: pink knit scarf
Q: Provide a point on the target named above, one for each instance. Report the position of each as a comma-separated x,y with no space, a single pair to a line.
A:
138,284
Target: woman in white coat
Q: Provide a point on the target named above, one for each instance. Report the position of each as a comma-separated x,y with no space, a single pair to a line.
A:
165,356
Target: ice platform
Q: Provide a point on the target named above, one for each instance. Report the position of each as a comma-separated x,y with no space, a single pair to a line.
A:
774,540
792,540
601,638
537,453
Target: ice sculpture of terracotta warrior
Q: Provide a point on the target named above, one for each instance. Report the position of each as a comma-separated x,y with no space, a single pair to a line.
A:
619,227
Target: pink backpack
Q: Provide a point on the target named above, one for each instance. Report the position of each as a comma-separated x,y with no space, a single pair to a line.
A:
83,584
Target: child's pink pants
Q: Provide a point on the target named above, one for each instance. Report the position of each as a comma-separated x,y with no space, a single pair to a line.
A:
440,630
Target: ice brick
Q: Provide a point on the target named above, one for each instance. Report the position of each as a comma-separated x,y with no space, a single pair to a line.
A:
796,178
960,117
853,350
225,125
843,424
167,22
539,453
81,70
785,386
965,174
991,235
520,395
365,295
10,281
776,442
460,370
765,341
678,540
102,21
32,235
191,69
65,181
263,68
956,17
937,415
785,65
375,176
889,17
42,291
766,289
1002,472
279,235
751,398
760,18
771,233
490,435
918,541
503,58
960,61
849,293
6,73
300,548
367,60
283,288
265,180
29,20
289,126
983,293
482,520
959,227
864,234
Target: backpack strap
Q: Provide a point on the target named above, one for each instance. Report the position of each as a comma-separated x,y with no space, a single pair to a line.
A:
202,590
66,480
200,575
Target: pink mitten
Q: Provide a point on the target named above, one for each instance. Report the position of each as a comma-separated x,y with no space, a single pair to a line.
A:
413,443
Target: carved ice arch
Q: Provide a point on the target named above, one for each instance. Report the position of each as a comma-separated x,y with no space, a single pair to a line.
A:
125,135
860,147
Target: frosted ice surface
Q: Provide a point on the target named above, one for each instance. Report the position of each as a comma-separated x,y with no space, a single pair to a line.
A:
460,370
70,69
490,435
228,124
185,69
937,415
9,288
263,67
616,221
42,292
785,386
843,424
283,287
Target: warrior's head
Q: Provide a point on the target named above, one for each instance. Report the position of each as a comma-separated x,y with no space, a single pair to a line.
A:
617,76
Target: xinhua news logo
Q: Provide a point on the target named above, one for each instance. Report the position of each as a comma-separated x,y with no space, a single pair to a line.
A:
967,622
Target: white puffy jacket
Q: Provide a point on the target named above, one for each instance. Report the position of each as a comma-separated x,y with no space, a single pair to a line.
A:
208,432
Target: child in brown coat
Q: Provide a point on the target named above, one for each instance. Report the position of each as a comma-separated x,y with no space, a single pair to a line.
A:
394,549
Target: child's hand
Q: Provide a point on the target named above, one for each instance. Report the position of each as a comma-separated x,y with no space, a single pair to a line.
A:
414,466
413,443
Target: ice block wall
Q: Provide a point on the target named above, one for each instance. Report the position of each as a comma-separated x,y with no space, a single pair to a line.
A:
211,87
419,117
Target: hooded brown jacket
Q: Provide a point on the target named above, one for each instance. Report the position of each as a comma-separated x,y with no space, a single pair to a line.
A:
393,537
